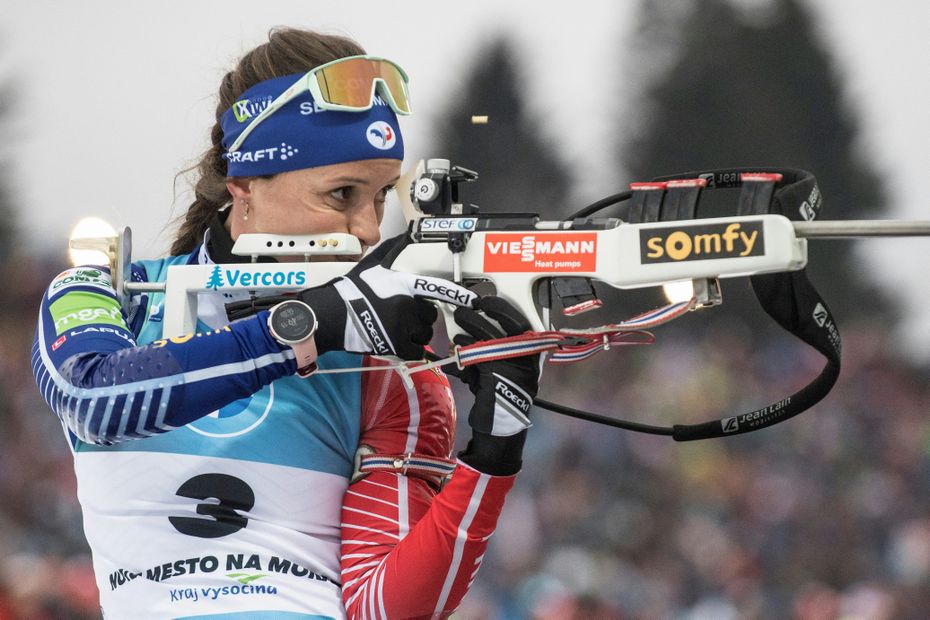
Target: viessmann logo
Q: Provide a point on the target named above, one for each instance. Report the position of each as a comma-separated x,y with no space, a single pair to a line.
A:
566,252
701,242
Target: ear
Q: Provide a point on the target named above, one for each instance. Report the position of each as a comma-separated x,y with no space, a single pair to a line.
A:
240,188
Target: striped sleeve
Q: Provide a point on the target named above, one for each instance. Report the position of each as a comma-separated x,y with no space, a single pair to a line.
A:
106,389
409,552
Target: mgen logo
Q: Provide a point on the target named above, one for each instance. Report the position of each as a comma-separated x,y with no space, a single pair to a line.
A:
564,252
701,242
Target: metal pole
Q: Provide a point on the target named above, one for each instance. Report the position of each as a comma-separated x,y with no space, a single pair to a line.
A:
145,286
862,228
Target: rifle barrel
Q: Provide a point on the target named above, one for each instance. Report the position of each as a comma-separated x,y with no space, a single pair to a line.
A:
862,228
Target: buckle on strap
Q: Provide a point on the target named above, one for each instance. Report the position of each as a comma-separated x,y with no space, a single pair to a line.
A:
408,464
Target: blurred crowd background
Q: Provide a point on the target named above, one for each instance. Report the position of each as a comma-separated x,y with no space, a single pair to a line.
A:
824,516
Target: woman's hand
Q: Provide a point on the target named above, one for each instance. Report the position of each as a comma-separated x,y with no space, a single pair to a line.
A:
373,309
504,389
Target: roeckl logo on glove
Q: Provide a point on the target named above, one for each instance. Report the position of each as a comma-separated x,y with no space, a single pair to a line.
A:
374,333
512,397
460,297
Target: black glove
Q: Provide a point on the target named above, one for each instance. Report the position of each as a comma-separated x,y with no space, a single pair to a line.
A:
373,309
504,389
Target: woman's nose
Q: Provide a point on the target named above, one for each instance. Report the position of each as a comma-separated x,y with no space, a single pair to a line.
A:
365,224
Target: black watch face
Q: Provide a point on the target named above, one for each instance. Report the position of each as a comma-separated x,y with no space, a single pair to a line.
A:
292,321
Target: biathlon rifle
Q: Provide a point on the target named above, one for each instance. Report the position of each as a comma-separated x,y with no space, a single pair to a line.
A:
544,267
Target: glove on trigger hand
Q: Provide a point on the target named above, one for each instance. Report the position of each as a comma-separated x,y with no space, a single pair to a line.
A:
504,389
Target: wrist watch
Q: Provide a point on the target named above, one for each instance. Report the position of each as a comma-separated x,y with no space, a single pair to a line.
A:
293,324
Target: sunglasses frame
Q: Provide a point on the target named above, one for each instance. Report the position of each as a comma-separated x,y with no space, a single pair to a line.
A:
309,82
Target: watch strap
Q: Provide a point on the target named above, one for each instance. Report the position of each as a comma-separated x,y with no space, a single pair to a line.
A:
305,353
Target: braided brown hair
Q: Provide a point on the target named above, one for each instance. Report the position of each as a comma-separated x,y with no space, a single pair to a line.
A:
287,51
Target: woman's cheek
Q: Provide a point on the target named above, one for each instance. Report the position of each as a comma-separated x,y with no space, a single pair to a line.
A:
331,221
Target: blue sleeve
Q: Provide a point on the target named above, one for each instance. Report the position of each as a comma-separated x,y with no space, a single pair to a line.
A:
106,389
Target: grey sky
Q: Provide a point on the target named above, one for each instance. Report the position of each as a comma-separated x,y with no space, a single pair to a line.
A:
116,98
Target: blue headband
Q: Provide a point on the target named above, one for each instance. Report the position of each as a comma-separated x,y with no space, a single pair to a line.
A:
301,135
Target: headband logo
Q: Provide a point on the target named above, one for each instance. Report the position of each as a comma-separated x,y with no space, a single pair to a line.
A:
245,109
381,135
272,153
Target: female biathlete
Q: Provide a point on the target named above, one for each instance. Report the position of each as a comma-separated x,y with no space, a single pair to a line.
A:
220,474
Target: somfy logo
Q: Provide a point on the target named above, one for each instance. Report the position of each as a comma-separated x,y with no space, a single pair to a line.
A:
701,242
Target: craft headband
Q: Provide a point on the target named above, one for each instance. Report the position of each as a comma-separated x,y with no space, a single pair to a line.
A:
302,135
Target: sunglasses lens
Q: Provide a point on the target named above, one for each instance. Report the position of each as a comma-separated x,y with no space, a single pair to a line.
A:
348,83
396,84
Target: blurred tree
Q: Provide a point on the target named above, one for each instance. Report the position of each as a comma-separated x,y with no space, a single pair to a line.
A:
517,164
7,95
752,85
6,221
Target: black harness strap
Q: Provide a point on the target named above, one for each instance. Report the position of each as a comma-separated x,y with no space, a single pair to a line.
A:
681,199
646,202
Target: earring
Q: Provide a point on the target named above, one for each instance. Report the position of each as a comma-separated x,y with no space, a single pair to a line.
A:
245,215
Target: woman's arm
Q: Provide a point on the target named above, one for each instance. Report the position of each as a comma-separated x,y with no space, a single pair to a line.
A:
409,551
106,389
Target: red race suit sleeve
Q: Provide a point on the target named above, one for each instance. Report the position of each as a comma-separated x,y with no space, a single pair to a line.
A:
410,550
